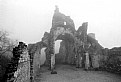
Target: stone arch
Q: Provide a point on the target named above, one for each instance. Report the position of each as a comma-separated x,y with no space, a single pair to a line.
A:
62,28
68,41
60,33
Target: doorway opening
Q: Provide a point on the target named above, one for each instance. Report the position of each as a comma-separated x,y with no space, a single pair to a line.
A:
43,56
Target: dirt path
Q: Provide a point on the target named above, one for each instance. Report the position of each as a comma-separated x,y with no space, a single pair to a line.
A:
66,73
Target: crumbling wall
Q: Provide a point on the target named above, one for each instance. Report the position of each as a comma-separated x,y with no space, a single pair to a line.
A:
36,62
81,45
18,69
23,71
74,45
63,29
35,53
88,43
95,51
47,42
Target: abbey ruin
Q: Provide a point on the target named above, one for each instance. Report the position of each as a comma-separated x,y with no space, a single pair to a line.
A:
75,44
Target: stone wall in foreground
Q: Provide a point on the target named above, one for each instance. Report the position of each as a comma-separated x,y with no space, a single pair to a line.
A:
18,70
23,71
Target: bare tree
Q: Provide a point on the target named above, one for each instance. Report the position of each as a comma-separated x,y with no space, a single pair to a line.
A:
6,44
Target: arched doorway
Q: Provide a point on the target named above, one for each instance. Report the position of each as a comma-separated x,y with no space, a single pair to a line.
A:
68,42
63,28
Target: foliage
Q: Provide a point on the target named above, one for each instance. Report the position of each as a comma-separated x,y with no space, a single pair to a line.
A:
5,42
6,47
114,67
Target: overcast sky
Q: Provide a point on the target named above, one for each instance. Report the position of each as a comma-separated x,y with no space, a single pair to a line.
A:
27,20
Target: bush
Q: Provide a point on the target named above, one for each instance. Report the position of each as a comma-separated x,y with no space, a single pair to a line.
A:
114,67
3,64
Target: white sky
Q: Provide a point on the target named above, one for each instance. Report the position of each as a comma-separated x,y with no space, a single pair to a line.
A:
27,20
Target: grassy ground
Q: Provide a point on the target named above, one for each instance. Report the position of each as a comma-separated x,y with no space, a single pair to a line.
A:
66,73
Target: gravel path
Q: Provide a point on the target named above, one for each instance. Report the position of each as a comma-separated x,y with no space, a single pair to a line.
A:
66,73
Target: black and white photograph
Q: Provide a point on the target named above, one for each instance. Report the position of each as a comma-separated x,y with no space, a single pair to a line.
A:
60,41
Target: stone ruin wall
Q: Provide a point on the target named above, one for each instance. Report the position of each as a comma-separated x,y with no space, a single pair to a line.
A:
18,69
30,63
35,53
80,40
23,70
68,50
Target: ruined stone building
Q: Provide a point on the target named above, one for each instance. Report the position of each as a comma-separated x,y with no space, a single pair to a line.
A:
72,48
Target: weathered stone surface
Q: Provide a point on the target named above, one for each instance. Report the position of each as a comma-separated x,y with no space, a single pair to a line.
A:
76,44
47,61
23,71
62,28
72,48
87,63
35,50
45,39
81,45
77,47
95,61
82,32
18,69
36,62
92,35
